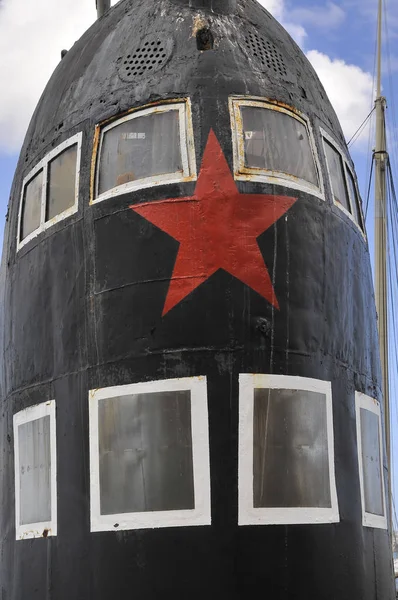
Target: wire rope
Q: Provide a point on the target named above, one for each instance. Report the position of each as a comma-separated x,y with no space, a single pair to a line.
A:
358,132
392,264
369,187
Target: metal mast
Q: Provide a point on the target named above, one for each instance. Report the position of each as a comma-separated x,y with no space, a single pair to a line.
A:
381,290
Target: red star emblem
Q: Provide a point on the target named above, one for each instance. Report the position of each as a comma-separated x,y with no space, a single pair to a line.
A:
217,228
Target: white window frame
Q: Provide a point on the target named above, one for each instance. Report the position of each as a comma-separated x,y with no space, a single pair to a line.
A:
248,514
43,165
201,514
346,168
243,173
47,528
373,406
187,147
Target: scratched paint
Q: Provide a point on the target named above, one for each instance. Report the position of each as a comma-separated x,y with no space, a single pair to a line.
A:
268,176
84,309
186,143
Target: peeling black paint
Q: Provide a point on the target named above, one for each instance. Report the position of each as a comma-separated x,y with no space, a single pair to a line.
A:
81,309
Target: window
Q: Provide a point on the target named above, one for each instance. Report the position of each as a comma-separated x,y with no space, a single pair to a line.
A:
149,454
35,472
342,182
61,183
356,206
50,192
286,451
370,457
31,205
275,145
337,177
148,147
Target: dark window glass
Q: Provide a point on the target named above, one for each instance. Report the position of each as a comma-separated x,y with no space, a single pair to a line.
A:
355,199
35,471
290,460
371,462
145,453
336,170
61,182
31,207
274,141
139,148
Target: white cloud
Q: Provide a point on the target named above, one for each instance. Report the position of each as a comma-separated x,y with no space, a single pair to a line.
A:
328,16
349,89
277,9
367,9
297,32
32,35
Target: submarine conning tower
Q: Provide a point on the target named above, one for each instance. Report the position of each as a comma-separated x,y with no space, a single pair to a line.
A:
191,386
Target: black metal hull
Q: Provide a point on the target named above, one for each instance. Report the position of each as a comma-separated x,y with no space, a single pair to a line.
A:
82,309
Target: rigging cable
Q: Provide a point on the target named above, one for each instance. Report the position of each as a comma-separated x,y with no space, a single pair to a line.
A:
371,135
392,240
360,129
369,187
392,214
393,130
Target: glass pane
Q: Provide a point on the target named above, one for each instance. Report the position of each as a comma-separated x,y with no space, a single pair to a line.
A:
61,182
355,199
139,148
371,462
336,170
145,453
31,208
277,142
35,471
291,461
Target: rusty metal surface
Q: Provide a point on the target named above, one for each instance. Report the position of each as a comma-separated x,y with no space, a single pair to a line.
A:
254,174
156,107
82,309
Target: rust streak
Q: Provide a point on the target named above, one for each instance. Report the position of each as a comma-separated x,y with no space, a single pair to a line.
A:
198,23
158,103
100,126
94,161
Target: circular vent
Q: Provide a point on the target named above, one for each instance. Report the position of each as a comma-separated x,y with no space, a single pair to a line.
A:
266,53
148,57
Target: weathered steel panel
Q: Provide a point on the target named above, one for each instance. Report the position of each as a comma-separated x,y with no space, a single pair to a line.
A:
82,308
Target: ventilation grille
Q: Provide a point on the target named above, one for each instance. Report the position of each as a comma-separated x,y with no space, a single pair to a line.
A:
148,57
265,53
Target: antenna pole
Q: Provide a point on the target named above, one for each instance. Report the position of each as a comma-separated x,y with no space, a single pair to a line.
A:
102,6
381,290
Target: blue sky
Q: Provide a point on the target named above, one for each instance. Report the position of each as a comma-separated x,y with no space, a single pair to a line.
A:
338,37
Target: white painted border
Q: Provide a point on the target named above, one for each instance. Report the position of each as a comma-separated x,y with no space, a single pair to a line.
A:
187,147
368,403
201,514
243,173
361,226
35,530
43,166
248,515
346,167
